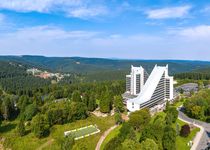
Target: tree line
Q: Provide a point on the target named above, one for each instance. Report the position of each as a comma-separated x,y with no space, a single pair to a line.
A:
193,76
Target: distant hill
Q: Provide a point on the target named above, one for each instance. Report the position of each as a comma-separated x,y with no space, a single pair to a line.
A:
92,65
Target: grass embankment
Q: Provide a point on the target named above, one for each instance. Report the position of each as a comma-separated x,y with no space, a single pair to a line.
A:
30,142
13,141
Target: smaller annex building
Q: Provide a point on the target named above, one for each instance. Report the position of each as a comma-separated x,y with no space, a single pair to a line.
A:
148,91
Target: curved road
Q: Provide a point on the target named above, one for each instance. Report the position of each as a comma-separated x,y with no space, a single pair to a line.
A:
104,136
203,137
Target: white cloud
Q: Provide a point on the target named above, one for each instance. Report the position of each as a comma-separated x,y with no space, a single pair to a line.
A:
54,41
36,5
201,32
72,8
169,12
48,33
26,5
83,12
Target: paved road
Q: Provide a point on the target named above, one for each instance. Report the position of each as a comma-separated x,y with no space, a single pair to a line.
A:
205,134
104,136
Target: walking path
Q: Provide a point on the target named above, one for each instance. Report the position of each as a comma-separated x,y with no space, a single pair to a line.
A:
104,136
201,139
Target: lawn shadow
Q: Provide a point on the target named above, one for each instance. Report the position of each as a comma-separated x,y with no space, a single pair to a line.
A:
8,127
27,132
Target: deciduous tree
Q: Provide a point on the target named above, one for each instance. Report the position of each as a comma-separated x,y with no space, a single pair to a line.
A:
149,144
129,144
139,119
118,103
169,138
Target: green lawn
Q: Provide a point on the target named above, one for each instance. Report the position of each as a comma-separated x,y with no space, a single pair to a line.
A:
177,104
181,142
112,134
29,142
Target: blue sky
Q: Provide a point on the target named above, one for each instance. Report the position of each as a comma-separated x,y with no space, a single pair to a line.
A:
136,29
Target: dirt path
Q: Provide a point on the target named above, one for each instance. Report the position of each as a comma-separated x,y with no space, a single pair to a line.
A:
1,147
1,143
104,136
46,144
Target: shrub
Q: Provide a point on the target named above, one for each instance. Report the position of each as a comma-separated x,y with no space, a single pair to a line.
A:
40,126
21,128
67,143
118,118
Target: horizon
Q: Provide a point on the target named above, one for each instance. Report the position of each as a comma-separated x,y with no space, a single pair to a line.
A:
109,58
174,30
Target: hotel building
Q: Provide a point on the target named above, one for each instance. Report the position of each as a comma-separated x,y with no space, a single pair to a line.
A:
135,80
151,92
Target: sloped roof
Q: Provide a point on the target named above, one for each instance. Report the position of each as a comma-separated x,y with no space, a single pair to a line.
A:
150,85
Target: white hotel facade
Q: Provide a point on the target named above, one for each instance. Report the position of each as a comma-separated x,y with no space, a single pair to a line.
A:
135,80
148,91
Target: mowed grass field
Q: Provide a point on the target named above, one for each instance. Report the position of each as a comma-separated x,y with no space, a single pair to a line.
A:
83,132
52,142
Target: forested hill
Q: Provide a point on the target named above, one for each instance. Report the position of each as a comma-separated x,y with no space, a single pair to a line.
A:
11,69
91,65
15,80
